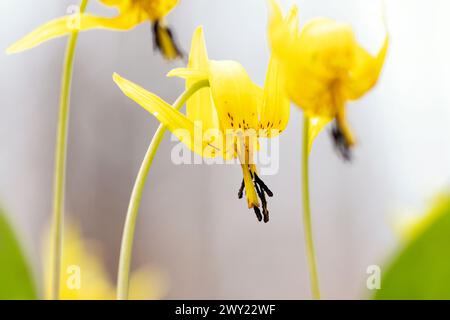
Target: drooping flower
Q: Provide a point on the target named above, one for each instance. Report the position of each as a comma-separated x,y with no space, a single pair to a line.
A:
230,115
85,277
324,67
131,13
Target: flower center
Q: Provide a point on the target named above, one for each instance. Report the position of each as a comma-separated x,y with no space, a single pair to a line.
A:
155,9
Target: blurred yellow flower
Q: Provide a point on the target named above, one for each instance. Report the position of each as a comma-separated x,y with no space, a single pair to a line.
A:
230,115
324,67
85,277
131,13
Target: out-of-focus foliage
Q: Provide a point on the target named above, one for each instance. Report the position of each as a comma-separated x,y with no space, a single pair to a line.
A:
421,270
16,281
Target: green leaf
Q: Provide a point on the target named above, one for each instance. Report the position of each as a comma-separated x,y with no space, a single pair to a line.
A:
16,281
422,269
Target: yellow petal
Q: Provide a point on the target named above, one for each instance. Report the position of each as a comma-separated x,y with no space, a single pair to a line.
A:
148,283
65,25
156,9
234,95
190,133
188,74
117,3
325,48
274,114
81,257
292,21
365,71
282,32
316,125
275,14
200,107
153,9
320,55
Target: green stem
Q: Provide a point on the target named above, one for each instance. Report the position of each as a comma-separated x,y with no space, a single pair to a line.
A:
60,164
311,257
136,195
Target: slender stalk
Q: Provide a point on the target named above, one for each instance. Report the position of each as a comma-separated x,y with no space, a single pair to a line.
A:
136,195
310,253
60,164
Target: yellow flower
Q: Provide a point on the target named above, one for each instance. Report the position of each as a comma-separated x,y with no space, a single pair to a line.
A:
84,276
324,67
131,13
230,115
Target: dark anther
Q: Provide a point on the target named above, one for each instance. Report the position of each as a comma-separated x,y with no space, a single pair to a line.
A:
156,40
158,30
258,213
263,185
340,143
262,197
241,190
261,190
266,215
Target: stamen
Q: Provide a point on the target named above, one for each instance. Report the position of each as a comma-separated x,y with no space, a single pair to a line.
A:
340,143
158,31
254,183
241,190
263,185
262,197
258,213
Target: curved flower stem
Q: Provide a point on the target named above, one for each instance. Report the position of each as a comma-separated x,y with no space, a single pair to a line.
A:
60,164
311,257
136,195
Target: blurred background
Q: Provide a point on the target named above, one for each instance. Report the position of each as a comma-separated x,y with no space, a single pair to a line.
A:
191,224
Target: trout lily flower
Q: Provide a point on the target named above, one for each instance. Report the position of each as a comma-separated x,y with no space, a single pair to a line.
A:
131,13
229,116
323,66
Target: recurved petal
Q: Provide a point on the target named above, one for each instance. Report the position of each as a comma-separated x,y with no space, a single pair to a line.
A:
190,133
188,74
292,21
235,95
198,56
282,31
50,30
366,71
67,24
275,107
148,283
116,3
316,125
275,14
201,106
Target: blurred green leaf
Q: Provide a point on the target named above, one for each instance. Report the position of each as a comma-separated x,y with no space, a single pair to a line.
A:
16,281
422,269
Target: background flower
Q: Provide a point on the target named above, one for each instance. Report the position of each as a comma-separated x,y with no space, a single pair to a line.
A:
83,257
